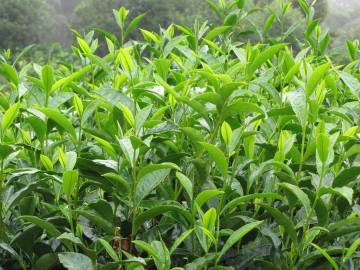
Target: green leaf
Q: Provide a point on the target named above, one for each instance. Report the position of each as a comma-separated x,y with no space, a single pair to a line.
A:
47,163
226,132
216,31
38,126
70,180
266,195
9,116
322,147
75,261
351,82
128,115
154,167
209,219
264,56
109,250
107,147
118,179
9,72
218,156
346,176
180,239
242,107
79,107
159,210
195,105
150,36
85,48
128,150
206,195
351,250
47,77
352,49
148,183
268,23
46,262
98,220
133,24
292,72
284,221
141,117
301,195
186,183
124,59
66,80
5,151
61,120
236,236
326,255
9,249
297,101
345,192
49,228
318,74
148,248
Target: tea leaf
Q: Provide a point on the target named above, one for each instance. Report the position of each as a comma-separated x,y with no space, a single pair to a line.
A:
70,181
10,116
236,236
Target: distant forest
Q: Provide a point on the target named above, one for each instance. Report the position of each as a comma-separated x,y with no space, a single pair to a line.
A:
25,22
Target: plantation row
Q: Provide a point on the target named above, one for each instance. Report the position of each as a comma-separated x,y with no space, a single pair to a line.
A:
184,150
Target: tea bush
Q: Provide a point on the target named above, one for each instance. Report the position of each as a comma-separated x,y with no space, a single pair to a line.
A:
186,149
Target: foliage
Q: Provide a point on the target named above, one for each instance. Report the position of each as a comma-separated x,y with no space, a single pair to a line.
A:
185,149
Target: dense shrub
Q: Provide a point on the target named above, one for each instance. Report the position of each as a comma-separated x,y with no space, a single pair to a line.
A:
184,149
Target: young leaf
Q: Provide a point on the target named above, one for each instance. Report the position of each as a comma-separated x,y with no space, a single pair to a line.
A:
47,77
327,256
9,72
124,59
322,147
47,163
133,24
79,107
351,250
128,115
226,132
216,31
70,180
301,195
109,249
9,116
318,74
61,120
263,57
66,80
148,248
218,156
180,239
85,48
206,195
186,183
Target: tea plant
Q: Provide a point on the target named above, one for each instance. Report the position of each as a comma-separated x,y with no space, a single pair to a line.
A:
184,150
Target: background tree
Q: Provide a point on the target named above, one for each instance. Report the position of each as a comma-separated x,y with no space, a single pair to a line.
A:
24,22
